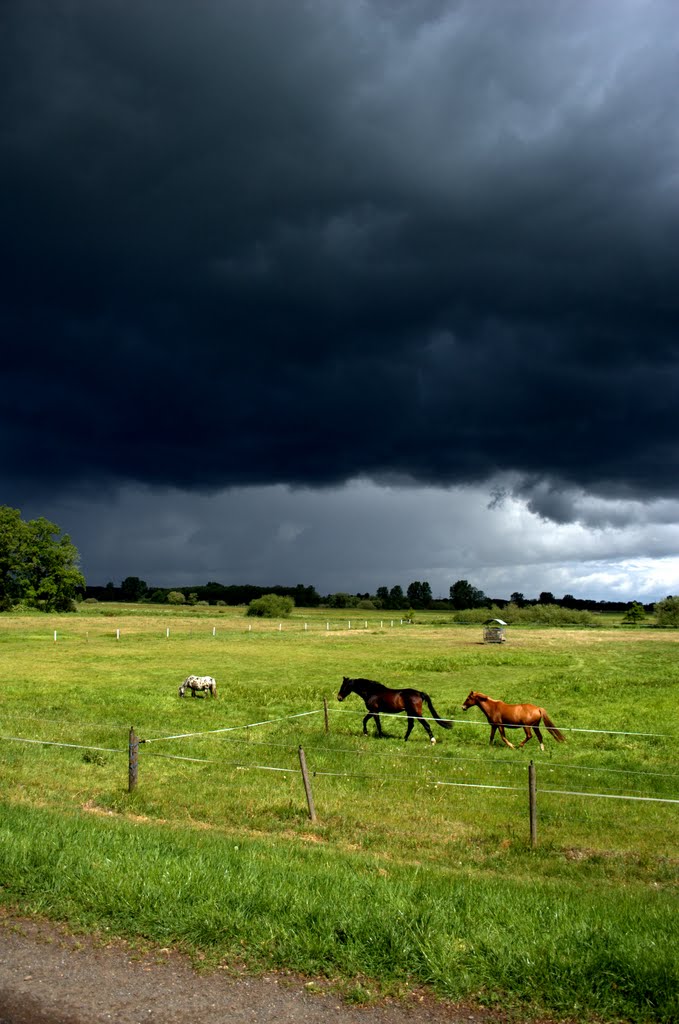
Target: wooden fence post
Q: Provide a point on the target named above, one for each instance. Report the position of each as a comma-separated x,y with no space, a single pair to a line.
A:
307,785
133,761
325,714
532,806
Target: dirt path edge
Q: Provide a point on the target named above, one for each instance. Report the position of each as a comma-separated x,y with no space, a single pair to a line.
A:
50,976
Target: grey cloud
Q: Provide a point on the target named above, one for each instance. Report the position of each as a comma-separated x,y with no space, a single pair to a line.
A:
362,536
257,243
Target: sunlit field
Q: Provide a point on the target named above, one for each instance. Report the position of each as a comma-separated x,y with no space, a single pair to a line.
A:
418,868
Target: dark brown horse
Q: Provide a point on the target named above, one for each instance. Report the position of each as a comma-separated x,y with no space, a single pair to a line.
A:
380,699
512,716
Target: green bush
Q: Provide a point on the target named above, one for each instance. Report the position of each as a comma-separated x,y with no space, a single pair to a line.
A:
667,611
540,614
176,597
271,606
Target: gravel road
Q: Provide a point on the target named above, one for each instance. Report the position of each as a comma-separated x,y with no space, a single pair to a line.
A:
48,976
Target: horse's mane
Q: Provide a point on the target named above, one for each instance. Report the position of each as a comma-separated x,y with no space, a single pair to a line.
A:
371,682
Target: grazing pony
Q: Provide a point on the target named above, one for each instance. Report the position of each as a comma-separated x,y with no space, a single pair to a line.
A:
198,684
379,698
513,716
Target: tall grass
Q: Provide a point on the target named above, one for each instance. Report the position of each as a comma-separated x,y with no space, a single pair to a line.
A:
511,941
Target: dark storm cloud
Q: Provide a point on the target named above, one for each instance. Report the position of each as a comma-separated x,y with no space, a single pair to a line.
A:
259,242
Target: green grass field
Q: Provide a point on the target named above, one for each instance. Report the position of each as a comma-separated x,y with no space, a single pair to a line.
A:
418,869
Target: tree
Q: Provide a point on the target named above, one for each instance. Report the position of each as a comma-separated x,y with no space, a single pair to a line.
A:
667,611
463,595
133,589
38,565
176,597
518,599
419,594
396,598
546,597
635,613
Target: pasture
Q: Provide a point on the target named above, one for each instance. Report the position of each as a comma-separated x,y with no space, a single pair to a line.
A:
418,869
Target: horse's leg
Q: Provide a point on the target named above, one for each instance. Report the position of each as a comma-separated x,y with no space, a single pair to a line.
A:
413,710
427,729
529,735
493,729
539,736
378,724
504,738
365,722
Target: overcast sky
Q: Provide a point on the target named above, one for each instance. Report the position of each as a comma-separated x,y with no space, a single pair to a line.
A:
345,294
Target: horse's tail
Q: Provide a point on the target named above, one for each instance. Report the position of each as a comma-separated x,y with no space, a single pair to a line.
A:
441,721
558,736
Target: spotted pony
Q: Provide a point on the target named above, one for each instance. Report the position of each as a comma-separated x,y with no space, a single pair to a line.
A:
198,684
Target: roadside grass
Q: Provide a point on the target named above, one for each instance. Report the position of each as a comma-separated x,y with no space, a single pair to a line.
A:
518,943
411,874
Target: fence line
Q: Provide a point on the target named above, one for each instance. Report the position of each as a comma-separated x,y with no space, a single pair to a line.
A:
532,786
54,743
400,755
352,775
500,762
231,728
614,796
562,728
514,789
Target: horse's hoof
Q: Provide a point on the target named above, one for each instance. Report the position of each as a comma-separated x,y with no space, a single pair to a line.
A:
432,740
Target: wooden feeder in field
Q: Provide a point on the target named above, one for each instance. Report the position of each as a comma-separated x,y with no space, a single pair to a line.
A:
494,631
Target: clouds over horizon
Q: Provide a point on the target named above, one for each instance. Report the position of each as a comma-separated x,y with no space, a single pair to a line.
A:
362,535
258,244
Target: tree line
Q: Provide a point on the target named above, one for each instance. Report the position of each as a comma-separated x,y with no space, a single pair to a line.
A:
417,596
39,568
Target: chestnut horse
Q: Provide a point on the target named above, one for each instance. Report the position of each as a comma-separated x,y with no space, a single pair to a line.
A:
512,716
379,698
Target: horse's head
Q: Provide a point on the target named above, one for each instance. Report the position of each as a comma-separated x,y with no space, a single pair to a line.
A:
346,688
472,700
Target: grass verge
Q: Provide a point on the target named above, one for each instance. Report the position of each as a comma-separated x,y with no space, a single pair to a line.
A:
523,943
